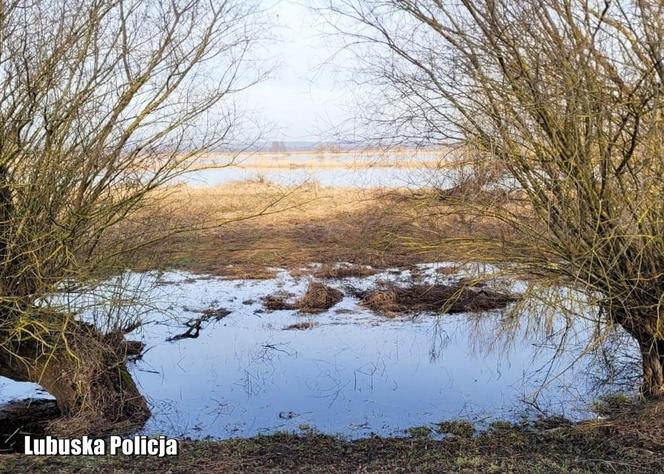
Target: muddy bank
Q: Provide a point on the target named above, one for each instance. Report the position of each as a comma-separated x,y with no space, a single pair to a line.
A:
389,299
632,441
457,298
20,418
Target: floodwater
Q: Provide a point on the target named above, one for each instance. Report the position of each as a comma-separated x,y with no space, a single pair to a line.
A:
355,373
361,177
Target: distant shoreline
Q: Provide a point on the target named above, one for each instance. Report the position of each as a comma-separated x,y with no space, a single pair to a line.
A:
268,165
355,159
357,152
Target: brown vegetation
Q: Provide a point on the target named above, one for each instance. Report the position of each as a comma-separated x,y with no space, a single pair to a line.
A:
631,441
240,272
301,326
356,158
365,228
317,298
338,271
392,300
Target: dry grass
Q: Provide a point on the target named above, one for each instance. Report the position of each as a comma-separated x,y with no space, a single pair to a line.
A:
265,164
374,228
393,300
366,158
317,298
632,441
301,326
278,302
330,271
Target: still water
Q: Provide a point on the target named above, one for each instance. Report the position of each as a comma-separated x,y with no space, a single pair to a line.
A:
386,177
354,373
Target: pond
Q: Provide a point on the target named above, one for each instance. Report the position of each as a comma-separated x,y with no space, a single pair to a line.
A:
355,373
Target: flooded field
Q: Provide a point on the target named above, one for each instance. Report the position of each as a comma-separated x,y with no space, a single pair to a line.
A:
350,169
349,371
361,177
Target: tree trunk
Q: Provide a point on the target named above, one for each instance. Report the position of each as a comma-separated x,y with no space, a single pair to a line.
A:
83,369
87,375
646,332
652,358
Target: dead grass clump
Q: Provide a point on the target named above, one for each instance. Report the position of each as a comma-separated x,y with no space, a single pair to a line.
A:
215,313
384,301
392,300
461,428
300,326
277,302
319,297
344,271
246,272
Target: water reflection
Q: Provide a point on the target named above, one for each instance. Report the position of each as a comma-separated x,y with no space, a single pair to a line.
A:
355,373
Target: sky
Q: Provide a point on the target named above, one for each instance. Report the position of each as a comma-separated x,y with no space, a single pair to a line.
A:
303,99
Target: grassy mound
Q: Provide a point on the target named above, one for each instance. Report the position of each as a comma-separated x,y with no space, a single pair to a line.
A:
318,297
459,298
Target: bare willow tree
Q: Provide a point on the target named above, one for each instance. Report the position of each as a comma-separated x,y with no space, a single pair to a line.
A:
566,98
102,102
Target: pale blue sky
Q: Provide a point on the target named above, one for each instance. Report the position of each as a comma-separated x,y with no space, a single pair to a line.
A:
302,100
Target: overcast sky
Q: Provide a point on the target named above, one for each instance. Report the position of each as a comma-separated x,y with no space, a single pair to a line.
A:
302,100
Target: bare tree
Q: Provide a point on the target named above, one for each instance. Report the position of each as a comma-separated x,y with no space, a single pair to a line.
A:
565,97
102,102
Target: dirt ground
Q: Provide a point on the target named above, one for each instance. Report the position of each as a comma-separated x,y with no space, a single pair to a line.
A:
630,441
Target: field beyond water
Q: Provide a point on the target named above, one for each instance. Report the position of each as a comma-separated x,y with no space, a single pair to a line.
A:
242,229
